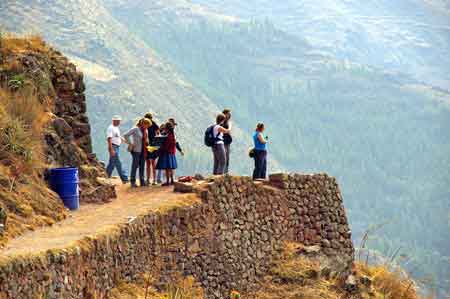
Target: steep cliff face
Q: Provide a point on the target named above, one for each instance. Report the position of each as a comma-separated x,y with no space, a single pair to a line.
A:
68,138
43,125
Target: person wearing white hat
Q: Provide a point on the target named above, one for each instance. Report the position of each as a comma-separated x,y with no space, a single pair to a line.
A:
114,141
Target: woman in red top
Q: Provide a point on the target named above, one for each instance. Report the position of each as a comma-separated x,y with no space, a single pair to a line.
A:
167,158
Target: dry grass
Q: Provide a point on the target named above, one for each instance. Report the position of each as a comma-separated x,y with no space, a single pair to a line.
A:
389,284
27,80
23,193
21,123
13,44
184,288
295,276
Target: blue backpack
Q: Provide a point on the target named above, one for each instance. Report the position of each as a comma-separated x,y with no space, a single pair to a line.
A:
210,139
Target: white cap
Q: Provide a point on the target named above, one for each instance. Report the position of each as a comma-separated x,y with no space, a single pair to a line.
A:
116,117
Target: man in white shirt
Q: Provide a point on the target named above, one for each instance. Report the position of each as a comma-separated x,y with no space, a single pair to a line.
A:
114,141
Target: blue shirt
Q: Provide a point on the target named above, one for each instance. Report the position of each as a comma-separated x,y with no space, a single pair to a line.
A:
258,144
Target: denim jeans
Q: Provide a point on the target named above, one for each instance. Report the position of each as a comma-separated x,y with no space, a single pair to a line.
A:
260,164
159,176
219,159
138,162
114,162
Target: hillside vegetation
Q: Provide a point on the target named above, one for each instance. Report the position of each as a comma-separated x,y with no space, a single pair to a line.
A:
25,198
403,36
296,275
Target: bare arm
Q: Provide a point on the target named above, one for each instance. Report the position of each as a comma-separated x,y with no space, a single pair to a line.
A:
223,130
261,139
110,147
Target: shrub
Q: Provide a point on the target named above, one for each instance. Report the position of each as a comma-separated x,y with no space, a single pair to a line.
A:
16,82
15,141
388,283
20,128
26,107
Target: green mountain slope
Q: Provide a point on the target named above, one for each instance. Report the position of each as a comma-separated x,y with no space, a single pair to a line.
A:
123,74
384,136
411,36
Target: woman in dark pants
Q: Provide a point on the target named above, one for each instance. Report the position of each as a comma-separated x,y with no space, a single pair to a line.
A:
227,139
218,148
260,153
152,132
136,139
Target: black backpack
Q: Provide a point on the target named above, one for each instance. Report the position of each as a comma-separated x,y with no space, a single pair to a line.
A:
210,139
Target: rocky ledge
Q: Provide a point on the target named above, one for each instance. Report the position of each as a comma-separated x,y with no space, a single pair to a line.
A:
227,240
60,88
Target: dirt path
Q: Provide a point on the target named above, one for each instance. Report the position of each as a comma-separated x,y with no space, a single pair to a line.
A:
92,219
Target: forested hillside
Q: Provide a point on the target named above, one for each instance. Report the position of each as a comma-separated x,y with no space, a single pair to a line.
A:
406,36
124,75
385,135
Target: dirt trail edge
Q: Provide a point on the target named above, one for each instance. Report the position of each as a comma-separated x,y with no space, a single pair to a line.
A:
92,219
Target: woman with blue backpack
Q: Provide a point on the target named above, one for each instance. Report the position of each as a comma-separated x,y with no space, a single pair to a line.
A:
214,139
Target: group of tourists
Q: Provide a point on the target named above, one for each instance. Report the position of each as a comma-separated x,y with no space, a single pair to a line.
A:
218,137
153,149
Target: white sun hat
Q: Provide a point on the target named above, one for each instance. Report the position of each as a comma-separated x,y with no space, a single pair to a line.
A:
116,117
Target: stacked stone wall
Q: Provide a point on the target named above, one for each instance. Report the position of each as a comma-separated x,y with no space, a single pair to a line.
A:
226,241
68,139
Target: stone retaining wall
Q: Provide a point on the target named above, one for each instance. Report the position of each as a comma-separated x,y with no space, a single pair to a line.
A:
68,136
226,240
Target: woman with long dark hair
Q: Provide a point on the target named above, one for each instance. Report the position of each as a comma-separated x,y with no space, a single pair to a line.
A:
167,155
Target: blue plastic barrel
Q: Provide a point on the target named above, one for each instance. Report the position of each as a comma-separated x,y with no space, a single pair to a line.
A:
64,181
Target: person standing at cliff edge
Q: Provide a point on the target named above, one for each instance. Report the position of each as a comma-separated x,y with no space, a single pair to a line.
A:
137,141
114,140
153,131
218,147
260,152
227,139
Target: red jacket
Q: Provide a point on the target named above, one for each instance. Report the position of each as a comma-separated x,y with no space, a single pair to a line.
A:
170,145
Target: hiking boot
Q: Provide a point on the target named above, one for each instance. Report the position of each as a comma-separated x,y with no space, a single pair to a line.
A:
144,184
133,185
